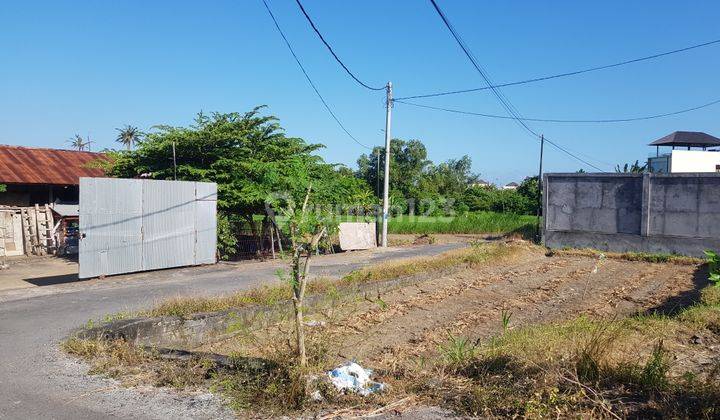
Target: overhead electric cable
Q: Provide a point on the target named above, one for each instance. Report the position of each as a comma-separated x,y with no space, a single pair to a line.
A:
322,38
552,120
501,98
571,73
317,92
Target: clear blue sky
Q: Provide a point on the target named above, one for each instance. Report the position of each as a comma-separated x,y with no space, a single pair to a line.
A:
90,66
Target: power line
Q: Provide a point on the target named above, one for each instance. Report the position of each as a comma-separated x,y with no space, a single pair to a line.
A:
317,92
347,70
571,73
551,120
505,102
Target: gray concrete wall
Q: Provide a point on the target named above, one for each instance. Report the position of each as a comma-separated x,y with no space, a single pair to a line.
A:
659,213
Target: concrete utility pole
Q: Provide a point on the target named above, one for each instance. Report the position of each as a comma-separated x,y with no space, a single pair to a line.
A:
386,190
540,188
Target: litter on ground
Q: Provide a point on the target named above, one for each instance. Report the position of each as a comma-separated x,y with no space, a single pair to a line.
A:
351,377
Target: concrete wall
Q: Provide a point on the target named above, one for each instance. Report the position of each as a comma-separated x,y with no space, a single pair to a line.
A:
660,213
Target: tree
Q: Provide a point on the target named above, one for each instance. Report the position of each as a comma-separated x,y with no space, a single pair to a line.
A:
247,154
3,188
79,143
128,136
415,177
408,163
306,227
530,189
634,168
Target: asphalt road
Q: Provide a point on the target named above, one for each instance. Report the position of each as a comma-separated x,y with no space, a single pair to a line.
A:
39,381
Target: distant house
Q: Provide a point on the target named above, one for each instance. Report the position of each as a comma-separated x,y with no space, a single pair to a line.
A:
511,186
481,183
682,158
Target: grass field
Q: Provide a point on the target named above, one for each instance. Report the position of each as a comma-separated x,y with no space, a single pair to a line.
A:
481,222
485,222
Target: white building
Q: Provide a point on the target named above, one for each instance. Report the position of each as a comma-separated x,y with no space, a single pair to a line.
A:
686,159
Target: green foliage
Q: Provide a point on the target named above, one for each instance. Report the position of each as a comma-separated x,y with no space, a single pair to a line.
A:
417,185
505,318
457,352
523,200
654,374
713,261
3,188
481,222
250,158
226,239
128,136
634,168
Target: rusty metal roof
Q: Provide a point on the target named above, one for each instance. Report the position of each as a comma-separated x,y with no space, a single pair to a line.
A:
30,165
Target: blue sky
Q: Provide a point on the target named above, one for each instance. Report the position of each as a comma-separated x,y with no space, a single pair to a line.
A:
90,66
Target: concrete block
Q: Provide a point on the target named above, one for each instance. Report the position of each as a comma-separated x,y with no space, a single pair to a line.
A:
589,194
710,197
357,236
629,219
563,192
559,217
678,223
681,195
709,225
603,220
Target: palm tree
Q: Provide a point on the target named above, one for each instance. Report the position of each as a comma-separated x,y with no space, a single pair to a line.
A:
79,143
128,136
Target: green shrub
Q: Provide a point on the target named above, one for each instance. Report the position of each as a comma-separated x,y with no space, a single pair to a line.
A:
713,261
226,240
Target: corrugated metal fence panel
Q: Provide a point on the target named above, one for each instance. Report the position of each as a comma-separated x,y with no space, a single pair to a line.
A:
206,232
168,224
205,226
206,191
134,225
111,222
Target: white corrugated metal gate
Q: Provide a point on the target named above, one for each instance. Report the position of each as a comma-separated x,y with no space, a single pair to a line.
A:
129,225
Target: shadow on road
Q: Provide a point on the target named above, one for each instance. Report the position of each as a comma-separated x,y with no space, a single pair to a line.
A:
52,280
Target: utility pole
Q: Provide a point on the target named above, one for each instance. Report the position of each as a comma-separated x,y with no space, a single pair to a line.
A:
386,190
174,161
377,173
540,188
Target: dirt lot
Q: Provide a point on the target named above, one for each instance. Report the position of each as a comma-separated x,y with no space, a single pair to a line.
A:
532,287
438,337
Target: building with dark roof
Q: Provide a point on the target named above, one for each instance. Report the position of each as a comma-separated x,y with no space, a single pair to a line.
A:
682,158
42,176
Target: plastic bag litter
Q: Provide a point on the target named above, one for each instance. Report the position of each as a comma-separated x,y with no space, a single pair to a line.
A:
351,377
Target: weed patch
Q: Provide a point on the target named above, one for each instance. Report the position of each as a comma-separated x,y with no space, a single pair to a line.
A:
628,256
271,295
583,367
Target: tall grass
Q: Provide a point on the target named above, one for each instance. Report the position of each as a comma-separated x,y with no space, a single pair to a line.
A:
482,222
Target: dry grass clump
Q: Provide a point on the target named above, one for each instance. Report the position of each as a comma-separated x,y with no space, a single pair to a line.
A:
477,254
710,296
629,256
271,295
132,365
587,368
